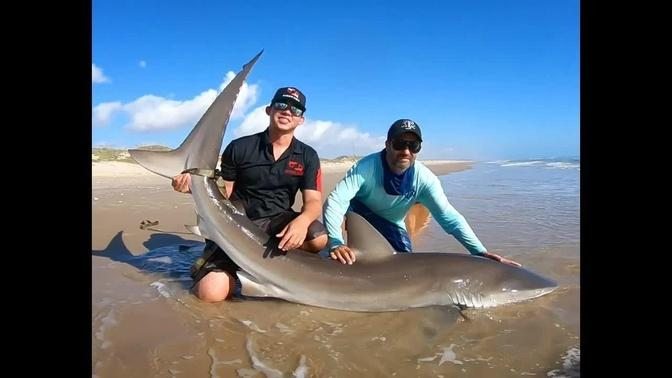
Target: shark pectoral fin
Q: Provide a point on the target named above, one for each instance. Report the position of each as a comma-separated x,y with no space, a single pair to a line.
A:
196,228
367,242
253,288
200,228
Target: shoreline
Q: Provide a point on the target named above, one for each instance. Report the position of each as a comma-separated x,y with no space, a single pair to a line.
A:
126,169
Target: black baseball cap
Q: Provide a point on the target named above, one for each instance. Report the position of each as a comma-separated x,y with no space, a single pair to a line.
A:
290,93
404,125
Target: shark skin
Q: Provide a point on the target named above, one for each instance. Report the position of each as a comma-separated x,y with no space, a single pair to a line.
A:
380,279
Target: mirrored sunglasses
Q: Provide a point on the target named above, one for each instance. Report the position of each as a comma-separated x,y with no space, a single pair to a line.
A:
295,110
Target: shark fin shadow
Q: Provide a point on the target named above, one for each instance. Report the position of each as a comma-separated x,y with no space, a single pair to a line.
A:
169,256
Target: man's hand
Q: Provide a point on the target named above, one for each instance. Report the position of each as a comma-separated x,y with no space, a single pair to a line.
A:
500,259
294,233
343,254
182,183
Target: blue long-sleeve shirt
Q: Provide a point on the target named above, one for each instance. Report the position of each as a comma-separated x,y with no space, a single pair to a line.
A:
364,181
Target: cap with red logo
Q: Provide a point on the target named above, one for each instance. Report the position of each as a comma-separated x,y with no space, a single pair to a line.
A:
292,94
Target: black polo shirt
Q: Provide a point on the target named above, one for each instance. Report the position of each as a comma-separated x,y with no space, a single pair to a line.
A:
265,186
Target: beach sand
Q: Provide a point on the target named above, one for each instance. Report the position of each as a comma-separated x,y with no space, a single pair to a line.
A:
125,194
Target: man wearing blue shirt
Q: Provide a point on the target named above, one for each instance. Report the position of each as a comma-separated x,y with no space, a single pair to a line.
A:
383,186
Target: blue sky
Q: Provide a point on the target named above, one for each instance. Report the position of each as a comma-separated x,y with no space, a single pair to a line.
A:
484,79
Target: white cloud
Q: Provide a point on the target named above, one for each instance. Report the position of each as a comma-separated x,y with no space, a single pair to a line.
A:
102,113
331,139
142,64
246,97
151,112
328,138
254,122
97,75
155,113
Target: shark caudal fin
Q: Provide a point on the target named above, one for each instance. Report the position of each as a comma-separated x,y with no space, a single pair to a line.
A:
201,148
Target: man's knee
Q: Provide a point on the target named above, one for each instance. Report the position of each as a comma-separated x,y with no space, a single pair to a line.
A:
215,287
316,244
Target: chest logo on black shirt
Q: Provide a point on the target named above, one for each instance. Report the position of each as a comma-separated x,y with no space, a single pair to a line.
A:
294,168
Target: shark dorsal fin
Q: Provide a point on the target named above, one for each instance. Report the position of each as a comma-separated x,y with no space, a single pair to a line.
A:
365,240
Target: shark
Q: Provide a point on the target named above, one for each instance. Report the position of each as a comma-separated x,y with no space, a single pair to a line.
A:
380,280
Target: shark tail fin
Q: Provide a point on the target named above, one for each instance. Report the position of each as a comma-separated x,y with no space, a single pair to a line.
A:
164,163
417,220
202,146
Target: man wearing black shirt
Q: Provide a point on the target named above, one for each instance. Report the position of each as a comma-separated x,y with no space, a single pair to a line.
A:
262,173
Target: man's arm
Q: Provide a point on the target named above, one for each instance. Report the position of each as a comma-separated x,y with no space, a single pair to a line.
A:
312,205
337,205
453,222
294,234
338,201
182,182
228,169
433,197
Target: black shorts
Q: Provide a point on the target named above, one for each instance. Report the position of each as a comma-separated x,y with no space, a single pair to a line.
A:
214,259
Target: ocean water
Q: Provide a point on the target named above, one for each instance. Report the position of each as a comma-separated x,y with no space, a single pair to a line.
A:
517,206
148,324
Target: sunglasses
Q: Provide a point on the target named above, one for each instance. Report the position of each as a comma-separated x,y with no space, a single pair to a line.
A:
295,110
412,145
